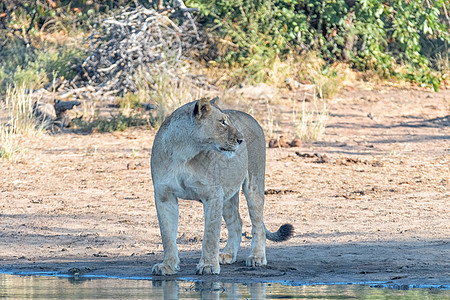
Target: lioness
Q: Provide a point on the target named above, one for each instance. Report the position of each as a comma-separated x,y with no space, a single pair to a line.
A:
204,153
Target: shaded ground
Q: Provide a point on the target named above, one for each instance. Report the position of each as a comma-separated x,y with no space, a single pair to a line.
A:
372,205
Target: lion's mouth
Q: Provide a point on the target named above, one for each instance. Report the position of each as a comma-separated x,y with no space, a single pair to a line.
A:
227,150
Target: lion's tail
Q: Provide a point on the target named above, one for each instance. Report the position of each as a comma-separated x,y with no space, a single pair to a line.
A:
284,233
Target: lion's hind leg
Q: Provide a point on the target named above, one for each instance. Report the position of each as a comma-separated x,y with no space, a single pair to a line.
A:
254,193
234,227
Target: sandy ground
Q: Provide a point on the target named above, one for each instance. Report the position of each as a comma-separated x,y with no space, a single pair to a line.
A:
372,205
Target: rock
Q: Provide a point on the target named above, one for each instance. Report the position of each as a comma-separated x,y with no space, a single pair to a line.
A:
55,114
280,142
61,108
295,143
44,111
283,142
135,165
260,91
294,85
322,158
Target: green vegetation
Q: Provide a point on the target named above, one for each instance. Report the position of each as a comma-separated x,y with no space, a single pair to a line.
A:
129,101
404,39
248,41
38,43
393,38
119,122
36,67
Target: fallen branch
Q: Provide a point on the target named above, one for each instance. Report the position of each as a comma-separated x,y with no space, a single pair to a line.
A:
134,44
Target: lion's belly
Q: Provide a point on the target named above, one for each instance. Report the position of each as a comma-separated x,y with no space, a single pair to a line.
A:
198,190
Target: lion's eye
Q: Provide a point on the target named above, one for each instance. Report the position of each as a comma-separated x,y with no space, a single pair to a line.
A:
223,122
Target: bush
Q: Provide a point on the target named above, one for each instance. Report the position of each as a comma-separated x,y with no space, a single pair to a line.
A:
119,122
370,34
35,67
35,43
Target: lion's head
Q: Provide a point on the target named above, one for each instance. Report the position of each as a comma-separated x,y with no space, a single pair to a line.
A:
214,127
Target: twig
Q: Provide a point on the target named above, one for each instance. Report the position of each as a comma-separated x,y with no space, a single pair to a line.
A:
446,14
186,11
27,40
136,41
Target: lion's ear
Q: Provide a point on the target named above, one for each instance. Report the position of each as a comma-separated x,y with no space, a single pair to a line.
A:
202,108
216,101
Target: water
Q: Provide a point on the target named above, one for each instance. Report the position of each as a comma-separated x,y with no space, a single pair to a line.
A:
45,287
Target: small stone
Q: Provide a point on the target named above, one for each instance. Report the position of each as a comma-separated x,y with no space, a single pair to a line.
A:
135,165
280,142
295,143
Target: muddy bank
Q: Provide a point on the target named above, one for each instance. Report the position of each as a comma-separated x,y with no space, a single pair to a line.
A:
372,205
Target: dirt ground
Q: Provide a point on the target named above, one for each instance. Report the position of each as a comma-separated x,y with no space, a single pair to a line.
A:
369,202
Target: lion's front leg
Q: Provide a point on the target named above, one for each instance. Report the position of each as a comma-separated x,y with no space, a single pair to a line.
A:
167,210
209,261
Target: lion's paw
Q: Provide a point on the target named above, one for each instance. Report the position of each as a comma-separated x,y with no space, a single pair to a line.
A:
207,269
226,258
255,261
165,269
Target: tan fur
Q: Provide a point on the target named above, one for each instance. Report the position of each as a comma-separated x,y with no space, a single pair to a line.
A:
203,153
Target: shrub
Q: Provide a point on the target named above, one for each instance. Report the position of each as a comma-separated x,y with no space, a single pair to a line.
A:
37,43
35,67
370,34
119,122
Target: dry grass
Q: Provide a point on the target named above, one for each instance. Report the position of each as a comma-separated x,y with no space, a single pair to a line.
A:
17,121
169,94
270,126
328,79
308,118
8,143
310,123
19,108
89,109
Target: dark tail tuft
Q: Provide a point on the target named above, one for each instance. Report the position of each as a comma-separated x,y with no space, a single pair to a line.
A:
285,232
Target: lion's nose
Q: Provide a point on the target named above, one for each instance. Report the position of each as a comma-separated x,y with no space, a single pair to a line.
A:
239,137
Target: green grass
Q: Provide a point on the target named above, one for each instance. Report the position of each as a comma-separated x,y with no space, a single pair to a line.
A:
38,68
37,63
119,122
